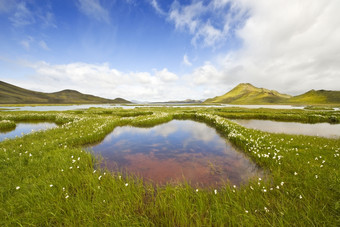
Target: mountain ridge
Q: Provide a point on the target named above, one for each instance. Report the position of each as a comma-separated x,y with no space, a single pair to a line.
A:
11,94
246,93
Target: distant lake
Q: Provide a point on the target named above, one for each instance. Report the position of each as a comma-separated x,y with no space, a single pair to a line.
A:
319,129
24,128
174,152
75,107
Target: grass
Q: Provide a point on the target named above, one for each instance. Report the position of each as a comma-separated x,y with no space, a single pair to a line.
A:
48,179
6,125
304,116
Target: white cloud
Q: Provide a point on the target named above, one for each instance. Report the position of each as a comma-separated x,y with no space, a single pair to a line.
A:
209,24
155,5
165,75
26,43
48,20
206,74
93,8
186,17
22,15
186,60
43,45
288,46
102,80
25,13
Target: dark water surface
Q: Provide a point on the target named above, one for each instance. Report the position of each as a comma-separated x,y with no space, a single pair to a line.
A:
319,129
174,152
24,128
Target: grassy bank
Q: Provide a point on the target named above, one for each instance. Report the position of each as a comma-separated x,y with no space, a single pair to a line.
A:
48,179
6,125
304,116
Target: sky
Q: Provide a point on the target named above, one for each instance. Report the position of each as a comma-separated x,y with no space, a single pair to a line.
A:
161,50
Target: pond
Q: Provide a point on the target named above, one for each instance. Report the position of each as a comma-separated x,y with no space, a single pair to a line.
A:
319,129
175,152
24,128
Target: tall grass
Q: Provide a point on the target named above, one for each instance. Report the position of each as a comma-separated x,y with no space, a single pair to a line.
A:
6,125
46,177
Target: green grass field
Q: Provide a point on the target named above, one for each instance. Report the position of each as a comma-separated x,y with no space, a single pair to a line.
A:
47,178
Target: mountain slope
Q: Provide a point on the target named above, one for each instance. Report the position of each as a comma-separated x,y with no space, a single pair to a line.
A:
10,94
246,93
316,97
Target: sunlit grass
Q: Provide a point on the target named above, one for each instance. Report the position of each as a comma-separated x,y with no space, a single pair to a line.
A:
48,179
6,125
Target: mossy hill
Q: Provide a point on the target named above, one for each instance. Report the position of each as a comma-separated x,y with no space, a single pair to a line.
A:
10,94
317,97
246,93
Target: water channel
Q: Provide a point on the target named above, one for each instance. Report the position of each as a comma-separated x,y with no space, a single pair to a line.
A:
24,128
318,129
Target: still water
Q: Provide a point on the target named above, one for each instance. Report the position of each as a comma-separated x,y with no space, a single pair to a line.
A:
24,128
319,129
131,106
174,152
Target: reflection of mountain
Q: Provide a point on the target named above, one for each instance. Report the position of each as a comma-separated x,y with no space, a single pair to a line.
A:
198,131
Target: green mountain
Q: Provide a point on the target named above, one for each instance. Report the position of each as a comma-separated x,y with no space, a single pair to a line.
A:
10,94
316,97
246,93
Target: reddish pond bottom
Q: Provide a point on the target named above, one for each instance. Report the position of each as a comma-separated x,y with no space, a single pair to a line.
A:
178,151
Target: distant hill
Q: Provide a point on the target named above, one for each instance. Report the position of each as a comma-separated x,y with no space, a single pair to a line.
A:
316,97
10,94
187,101
246,93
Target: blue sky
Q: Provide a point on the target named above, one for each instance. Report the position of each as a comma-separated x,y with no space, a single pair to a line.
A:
168,50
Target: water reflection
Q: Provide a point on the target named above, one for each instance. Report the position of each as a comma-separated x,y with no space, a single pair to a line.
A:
131,106
24,128
176,151
319,129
